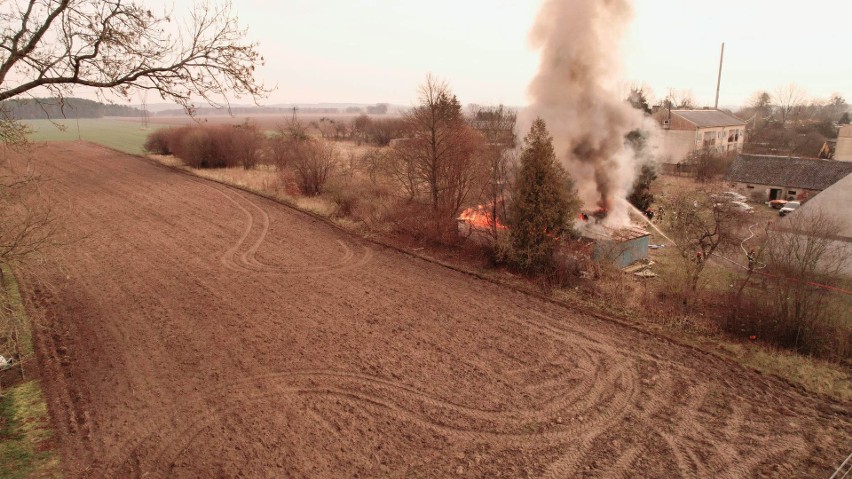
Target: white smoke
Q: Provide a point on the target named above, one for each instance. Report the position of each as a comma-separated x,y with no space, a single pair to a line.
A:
576,93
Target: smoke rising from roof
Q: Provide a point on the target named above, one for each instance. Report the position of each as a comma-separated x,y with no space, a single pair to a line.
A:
575,92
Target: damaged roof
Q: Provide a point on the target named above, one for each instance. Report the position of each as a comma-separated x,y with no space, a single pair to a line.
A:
597,231
791,172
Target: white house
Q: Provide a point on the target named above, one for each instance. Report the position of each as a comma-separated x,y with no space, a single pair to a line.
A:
686,131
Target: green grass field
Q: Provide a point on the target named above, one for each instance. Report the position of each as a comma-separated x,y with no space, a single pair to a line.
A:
26,448
126,136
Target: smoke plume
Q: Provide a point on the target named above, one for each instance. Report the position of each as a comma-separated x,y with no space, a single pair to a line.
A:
575,92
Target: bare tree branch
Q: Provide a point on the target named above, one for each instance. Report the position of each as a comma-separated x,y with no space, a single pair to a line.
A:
121,47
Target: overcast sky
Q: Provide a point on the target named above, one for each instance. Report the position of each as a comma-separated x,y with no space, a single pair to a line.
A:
368,51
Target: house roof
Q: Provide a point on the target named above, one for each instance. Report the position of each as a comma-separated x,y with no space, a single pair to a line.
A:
834,203
708,118
811,174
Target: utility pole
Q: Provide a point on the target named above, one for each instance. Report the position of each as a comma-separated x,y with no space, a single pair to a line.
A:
719,81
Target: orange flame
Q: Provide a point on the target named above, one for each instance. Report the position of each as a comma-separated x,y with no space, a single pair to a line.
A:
480,218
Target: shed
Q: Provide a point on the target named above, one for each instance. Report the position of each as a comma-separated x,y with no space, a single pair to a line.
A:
622,246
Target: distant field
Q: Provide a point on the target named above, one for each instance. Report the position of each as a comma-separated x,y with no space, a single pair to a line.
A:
126,136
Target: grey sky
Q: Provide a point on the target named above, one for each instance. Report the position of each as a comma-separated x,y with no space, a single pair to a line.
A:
380,50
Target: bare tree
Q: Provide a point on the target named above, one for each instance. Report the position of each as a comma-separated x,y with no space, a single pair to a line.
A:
678,100
440,153
803,251
700,225
709,163
28,220
122,47
326,127
497,126
789,101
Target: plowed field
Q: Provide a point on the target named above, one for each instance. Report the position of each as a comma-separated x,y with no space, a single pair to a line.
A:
194,330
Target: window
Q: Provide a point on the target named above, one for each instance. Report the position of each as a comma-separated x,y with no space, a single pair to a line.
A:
751,187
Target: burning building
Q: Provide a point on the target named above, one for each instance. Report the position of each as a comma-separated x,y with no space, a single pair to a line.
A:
620,246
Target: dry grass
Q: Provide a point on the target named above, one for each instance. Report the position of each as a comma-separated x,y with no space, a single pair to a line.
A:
263,179
169,160
813,374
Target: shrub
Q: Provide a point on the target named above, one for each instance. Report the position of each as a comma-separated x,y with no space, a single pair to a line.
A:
195,148
160,141
422,223
362,200
313,162
238,144
210,146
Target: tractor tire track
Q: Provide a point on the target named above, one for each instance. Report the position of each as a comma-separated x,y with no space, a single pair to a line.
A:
208,337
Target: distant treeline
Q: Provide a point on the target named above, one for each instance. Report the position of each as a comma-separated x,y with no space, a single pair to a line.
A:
379,109
53,108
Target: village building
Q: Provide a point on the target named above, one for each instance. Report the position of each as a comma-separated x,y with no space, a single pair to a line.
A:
621,246
843,147
767,177
835,205
687,131
618,246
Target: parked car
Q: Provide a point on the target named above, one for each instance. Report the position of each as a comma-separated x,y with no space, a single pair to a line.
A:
789,208
777,204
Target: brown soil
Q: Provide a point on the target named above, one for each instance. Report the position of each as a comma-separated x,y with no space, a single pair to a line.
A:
194,330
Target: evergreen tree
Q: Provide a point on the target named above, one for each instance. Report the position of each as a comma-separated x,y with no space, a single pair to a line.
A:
542,203
641,196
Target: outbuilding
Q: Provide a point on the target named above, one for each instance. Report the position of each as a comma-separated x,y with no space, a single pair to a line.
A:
767,177
619,246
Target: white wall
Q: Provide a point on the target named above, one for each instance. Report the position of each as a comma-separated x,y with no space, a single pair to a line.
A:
843,151
676,145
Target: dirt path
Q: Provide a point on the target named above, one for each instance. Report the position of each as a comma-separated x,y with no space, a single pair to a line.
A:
193,330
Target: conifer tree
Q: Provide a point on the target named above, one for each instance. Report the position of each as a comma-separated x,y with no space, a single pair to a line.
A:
641,197
542,203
